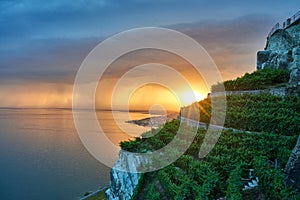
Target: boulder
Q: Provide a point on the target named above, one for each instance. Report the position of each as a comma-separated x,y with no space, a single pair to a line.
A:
262,57
295,67
296,51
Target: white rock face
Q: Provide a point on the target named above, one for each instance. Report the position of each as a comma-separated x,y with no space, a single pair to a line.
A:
122,184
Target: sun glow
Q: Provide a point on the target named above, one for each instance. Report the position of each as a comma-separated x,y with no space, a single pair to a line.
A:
152,94
189,97
146,96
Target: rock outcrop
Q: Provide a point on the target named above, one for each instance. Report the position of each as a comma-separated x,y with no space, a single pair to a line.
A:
122,183
292,169
283,49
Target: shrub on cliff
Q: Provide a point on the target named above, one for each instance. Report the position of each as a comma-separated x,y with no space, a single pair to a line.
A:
257,80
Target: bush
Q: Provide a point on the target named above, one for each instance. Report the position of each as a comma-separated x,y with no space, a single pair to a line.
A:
257,80
151,193
234,189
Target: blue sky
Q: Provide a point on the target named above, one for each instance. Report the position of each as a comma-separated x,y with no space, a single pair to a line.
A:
35,19
45,42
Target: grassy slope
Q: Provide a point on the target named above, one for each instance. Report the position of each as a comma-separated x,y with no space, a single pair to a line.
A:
260,113
219,174
98,196
257,80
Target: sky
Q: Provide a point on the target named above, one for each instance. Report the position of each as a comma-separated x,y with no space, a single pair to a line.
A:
42,44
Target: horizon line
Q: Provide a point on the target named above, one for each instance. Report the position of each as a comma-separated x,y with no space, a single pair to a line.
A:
99,109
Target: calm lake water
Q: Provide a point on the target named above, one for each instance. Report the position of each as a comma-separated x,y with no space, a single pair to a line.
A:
42,157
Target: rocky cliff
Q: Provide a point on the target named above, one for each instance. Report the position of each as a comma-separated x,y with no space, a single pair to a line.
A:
292,169
122,183
283,49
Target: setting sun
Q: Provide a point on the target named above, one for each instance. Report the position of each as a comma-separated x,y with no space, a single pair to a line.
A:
189,97
147,96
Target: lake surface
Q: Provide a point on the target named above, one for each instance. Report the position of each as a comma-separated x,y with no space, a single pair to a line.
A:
42,156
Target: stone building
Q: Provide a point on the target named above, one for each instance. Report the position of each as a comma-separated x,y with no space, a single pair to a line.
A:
283,49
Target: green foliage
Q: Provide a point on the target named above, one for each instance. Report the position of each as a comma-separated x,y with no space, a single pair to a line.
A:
131,145
257,80
259,113
234,189
99,196
219,173
271,181
163,137
171,189
151,193
140,186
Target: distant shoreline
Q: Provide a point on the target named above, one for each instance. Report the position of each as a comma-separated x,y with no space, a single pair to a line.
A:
154,121
158,112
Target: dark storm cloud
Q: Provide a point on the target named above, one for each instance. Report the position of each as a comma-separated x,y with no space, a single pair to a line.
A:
47,41
59,59
51,60
231,43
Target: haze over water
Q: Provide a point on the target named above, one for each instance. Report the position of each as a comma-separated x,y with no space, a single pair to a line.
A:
42,157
